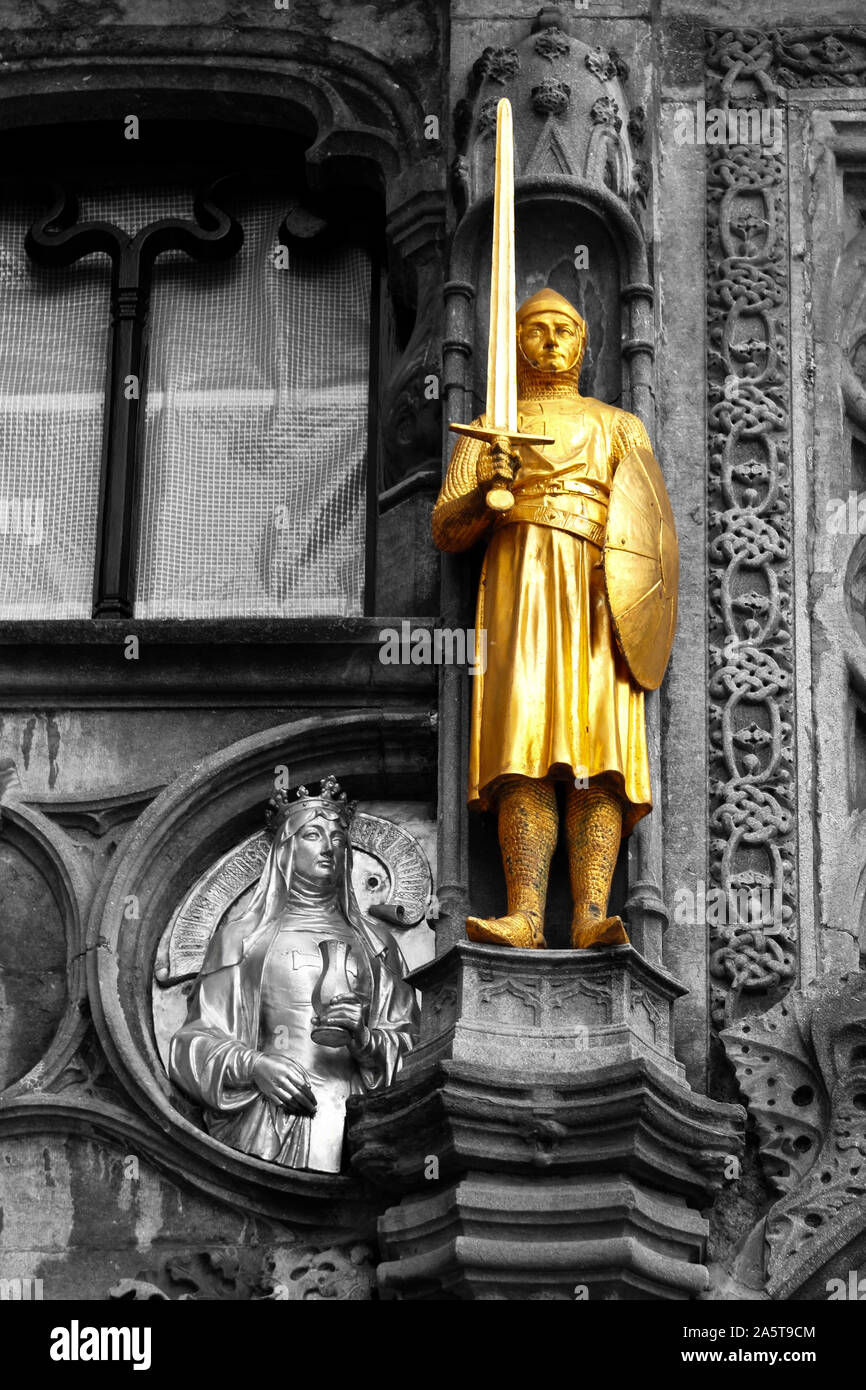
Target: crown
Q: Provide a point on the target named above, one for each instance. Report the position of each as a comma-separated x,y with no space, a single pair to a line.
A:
330,798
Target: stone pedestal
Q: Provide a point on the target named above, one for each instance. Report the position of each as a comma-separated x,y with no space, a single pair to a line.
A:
541,1138
556,1010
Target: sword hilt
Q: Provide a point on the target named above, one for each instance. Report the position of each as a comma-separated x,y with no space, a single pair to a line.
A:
500,499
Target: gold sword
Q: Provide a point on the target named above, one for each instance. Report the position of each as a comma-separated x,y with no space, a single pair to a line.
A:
502,342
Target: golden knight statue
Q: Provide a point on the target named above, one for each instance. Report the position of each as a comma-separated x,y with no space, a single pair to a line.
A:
577,599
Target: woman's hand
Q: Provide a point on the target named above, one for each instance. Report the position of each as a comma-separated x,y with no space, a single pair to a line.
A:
284,1081
347,1014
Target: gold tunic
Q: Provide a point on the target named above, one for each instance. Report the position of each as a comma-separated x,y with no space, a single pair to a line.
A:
556,699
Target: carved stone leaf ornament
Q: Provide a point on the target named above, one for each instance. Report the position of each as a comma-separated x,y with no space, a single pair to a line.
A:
605,112
776,1070
601,65
551,98
552,43
637,124
802,1067
496,65
487,115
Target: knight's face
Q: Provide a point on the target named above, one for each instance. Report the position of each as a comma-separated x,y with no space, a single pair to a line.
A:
550,342
320,851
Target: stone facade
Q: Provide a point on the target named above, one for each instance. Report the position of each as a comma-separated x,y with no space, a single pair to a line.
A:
679,1119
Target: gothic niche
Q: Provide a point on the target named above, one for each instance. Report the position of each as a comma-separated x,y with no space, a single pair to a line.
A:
579,191
315,919
542,260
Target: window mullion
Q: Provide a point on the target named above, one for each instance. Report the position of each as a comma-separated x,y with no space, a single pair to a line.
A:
114,576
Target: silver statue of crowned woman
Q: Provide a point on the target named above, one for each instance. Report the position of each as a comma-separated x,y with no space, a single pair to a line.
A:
301,1000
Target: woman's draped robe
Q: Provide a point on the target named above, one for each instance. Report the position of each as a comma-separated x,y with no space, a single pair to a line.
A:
556,698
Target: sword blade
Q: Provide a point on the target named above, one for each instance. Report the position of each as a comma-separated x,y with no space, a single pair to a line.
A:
501,413
502,345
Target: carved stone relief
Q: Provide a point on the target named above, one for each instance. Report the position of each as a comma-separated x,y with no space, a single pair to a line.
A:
802,1068
115,1069
753,793
570,108
751,751
244,1274
391,872
299,998
769,60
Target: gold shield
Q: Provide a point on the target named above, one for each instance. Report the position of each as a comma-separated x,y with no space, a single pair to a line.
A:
642,567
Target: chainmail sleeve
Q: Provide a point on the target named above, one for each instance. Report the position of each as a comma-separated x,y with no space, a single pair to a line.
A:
628,433
461,516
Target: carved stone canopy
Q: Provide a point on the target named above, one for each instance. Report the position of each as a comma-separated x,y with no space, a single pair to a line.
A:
572,117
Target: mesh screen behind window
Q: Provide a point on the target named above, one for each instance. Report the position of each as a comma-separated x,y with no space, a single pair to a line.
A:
253,498
53,342
254,454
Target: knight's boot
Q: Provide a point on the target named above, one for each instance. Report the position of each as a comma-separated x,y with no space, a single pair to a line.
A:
528,826
593,827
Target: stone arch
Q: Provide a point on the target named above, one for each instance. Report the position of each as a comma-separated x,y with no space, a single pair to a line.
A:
360,122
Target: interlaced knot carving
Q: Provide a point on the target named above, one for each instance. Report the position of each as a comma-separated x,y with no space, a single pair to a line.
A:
752,811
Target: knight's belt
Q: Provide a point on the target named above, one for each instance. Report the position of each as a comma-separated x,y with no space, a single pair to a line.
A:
562,510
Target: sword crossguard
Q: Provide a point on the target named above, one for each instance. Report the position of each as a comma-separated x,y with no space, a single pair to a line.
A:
500,499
